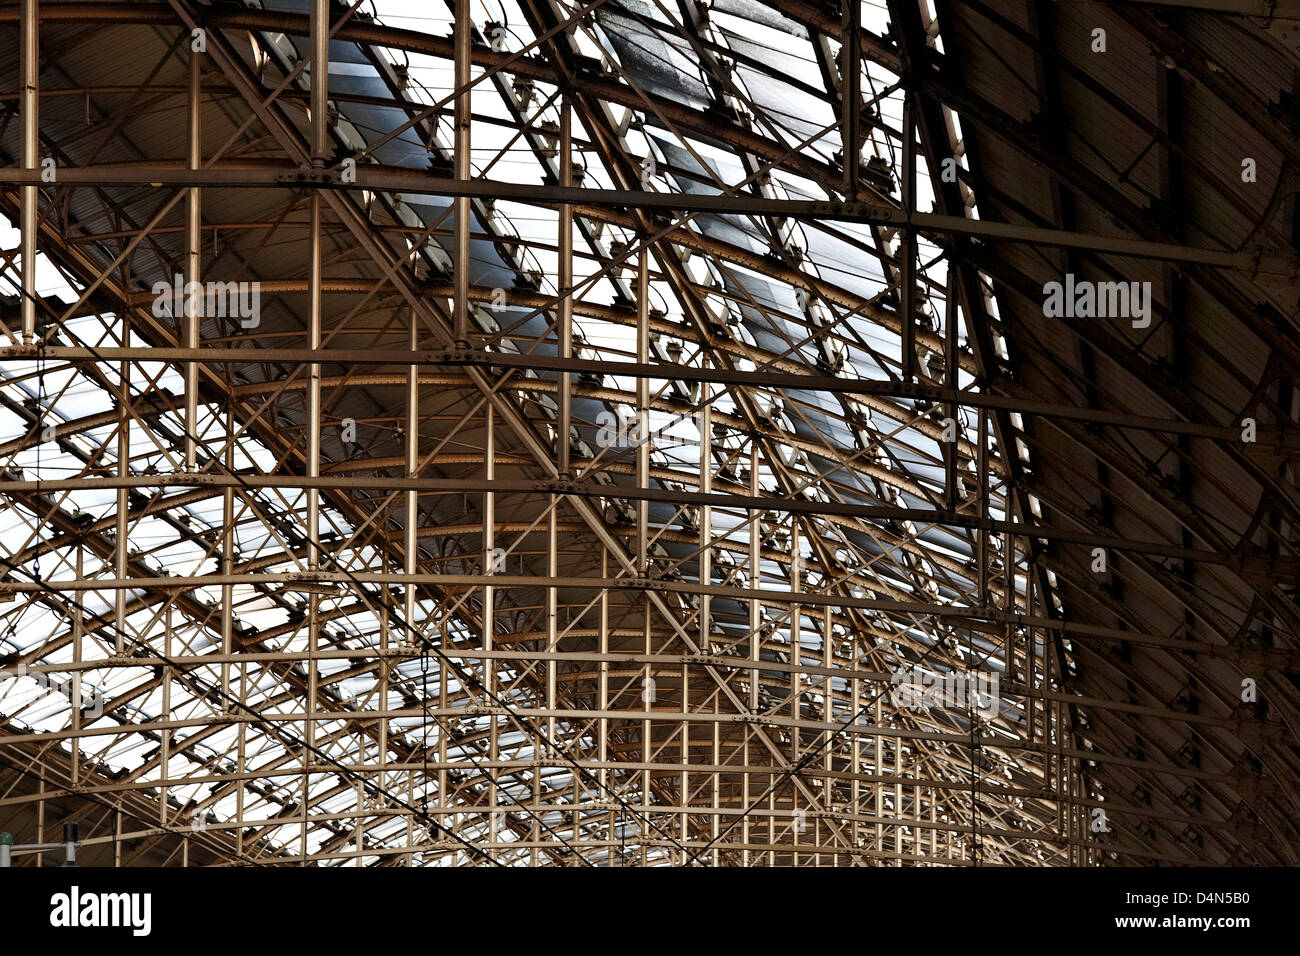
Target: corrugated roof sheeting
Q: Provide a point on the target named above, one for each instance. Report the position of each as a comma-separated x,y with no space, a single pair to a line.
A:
1200,348
1089,162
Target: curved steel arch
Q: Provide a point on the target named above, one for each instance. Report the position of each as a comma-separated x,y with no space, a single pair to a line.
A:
611,449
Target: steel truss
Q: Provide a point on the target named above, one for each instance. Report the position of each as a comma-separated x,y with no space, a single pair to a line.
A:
586,516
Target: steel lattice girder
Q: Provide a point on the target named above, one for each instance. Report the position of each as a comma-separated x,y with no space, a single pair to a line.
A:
670,677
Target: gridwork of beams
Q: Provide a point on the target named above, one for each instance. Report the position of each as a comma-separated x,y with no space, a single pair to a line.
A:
561,433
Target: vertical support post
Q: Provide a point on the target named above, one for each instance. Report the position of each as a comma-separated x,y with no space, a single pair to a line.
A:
165,753
934,818
314,386
313,506
684,784
564,281
715,826
358,832
319,136
855,768
241,760
981,536
643,407
907,277
228,560
489,603
744,794
603,745
320,84
30,59
647,728
851,93
950,366
319,153
771,827
461,166
878,768
898,801
40,819
796,644
442,737
71,839
411,543
705,418
78,635
552,612
828,715
120,525
755,580
194,297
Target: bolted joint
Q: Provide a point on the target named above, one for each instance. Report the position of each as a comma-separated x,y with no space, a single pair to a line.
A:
462,353
309,176
560,486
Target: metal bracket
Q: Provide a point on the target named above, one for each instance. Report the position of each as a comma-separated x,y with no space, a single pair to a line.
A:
709,660
309,176
559,486
641,582
459,356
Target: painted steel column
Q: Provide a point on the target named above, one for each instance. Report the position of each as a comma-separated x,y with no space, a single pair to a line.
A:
319,153
705,418
642,558
564,281
488,613
320,58
552,612
489,539
319,135
850,92
744,795
228,561
78,634
828,715
755,578
643,408
951,365
684,783
314,388
603,687
442,737
855,767
796,630
241,760
30,59
981,536
898,800
461,168
907,292
195,301
165,741
120,527
411,544
313,505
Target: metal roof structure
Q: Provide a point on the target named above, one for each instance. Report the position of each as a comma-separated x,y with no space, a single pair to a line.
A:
651,432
